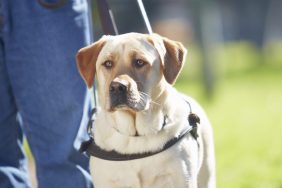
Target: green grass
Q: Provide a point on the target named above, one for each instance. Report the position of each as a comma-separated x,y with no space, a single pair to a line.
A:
246,113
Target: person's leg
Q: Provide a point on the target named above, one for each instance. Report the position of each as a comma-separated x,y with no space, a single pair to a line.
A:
40,51
13,172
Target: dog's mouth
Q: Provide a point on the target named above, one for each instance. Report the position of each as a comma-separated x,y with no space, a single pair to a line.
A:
132,101
125,94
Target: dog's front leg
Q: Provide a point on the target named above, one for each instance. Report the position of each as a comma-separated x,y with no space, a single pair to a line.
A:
187,177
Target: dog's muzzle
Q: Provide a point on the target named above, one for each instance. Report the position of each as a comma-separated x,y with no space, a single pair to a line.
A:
118,94
124,94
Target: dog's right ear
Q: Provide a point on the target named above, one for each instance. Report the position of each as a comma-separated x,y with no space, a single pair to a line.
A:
172,55
86,60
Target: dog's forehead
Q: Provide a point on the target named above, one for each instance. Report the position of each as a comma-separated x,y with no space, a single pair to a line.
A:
128,46
127,42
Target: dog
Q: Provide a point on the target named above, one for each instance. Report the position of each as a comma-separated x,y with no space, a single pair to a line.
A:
140,113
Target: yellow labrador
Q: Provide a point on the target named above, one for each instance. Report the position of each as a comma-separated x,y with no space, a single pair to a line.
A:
140,113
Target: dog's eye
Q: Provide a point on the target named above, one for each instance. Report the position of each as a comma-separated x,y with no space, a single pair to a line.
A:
138,63
108,64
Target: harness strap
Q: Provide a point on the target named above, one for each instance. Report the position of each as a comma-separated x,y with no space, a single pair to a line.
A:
92,149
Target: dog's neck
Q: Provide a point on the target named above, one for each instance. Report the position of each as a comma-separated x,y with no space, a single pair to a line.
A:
131,129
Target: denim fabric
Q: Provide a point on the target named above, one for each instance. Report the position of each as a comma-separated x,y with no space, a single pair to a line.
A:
41,93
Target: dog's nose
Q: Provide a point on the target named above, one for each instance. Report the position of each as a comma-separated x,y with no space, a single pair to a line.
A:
117,87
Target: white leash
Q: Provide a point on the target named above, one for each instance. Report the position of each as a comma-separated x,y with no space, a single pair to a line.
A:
145,17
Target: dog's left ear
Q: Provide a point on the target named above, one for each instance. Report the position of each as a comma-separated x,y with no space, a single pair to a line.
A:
173,56
86,61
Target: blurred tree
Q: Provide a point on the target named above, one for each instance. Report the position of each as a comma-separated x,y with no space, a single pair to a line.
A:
244,20
273,24
208,30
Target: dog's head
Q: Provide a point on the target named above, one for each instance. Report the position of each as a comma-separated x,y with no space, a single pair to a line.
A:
131,69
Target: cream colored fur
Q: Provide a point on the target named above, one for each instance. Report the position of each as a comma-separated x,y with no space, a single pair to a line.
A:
183,165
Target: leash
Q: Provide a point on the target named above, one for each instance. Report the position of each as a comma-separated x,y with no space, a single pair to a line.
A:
144,16
107,18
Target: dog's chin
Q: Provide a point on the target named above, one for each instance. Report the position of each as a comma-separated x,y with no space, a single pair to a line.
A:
131,107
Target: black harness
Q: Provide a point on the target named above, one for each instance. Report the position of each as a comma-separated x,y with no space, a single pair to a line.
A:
92,149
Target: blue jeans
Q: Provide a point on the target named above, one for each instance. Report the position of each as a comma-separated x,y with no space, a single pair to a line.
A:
42,94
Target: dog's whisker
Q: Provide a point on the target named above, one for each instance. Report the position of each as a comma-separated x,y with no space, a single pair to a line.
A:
142,101
153,102
144,98
143,94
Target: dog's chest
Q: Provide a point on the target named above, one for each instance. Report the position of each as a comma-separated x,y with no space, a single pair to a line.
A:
153,172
